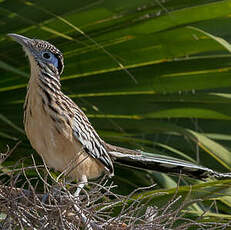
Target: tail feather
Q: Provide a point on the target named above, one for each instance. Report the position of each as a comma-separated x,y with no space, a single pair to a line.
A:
140,160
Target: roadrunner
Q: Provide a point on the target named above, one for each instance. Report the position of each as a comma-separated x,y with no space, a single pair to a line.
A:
62,134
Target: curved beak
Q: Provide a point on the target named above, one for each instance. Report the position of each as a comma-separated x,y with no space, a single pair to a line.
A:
24,41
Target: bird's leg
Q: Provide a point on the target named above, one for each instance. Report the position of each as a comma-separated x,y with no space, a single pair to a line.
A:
81,185
89,224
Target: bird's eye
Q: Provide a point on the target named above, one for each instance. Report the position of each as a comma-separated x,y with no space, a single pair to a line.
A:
49,58
46,55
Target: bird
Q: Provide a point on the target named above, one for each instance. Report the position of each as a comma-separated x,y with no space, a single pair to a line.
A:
63,136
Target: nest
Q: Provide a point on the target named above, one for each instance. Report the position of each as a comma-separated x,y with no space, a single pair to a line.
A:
97,207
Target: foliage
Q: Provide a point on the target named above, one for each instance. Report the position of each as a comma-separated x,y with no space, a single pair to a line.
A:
150,74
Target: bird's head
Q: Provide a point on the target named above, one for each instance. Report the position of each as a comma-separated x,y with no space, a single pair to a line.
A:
41,53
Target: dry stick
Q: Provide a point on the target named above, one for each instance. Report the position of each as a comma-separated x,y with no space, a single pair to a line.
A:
4,156
21,217
33,191
11,171
89,225
9,152
105,189
39,172
83,217
125,211
158,221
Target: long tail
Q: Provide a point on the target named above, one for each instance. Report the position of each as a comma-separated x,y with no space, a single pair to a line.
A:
137,159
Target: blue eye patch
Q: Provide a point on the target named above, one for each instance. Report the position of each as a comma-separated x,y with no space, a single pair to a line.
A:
50,57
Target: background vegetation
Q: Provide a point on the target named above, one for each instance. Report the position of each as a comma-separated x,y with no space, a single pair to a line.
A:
150,74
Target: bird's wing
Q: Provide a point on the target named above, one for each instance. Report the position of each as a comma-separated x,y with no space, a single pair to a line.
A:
92,143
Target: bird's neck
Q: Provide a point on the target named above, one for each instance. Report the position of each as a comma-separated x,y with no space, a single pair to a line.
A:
43,87
44,77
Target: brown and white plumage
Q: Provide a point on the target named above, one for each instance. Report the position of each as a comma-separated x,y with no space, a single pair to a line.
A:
62,134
